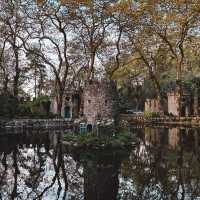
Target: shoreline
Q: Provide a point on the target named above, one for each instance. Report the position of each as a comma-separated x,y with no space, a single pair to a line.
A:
65,124
167,121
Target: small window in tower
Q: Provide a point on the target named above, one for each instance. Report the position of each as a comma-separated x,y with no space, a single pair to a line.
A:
89,101
67,98
106,102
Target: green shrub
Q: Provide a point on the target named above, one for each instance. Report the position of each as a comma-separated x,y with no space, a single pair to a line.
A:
24,109
40,99
9,105
38,108
91,138
11,108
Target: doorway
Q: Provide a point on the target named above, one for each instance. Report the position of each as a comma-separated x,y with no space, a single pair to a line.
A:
67,112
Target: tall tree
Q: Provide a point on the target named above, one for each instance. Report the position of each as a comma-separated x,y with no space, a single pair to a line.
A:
171,24
54,38
12,21
92,21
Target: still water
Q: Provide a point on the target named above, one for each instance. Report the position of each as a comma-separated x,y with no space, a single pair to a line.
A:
164,165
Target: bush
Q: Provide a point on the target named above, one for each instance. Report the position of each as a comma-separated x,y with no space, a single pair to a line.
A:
9,106
38,108
93,139
24,109
41,105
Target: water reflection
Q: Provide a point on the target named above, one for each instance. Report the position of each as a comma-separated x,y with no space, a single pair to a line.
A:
30,166
100,172
163,165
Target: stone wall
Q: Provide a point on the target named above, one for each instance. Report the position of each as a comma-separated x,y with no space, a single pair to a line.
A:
98,101
173,103
19,125
187,104
152,105
71,104
53,107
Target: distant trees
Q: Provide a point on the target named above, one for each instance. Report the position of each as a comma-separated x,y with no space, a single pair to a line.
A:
161,34
175,24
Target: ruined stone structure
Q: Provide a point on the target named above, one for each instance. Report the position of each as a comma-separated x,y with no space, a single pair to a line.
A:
172,103
186,104
99,101
152,105
96,102
190,104
155,106
71,107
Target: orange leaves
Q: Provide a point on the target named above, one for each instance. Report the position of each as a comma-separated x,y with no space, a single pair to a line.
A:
40,2
123,6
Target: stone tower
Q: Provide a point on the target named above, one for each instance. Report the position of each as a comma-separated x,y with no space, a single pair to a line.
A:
99,101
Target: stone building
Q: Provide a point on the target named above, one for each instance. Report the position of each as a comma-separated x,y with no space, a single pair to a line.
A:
71,107
187,104
196,102
152,105
155,106
99,101
190,104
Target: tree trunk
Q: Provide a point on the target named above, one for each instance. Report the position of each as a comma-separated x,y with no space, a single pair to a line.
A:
179,97
60,101
90,75
179,87
59,107
35,86
5,84
158,92
17,72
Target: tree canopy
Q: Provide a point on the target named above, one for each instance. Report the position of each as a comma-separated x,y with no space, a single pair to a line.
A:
61,45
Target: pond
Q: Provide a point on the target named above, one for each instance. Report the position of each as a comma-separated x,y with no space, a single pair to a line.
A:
164,164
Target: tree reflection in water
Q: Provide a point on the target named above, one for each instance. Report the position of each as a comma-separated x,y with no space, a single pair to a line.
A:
163,165
101,170
30,169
